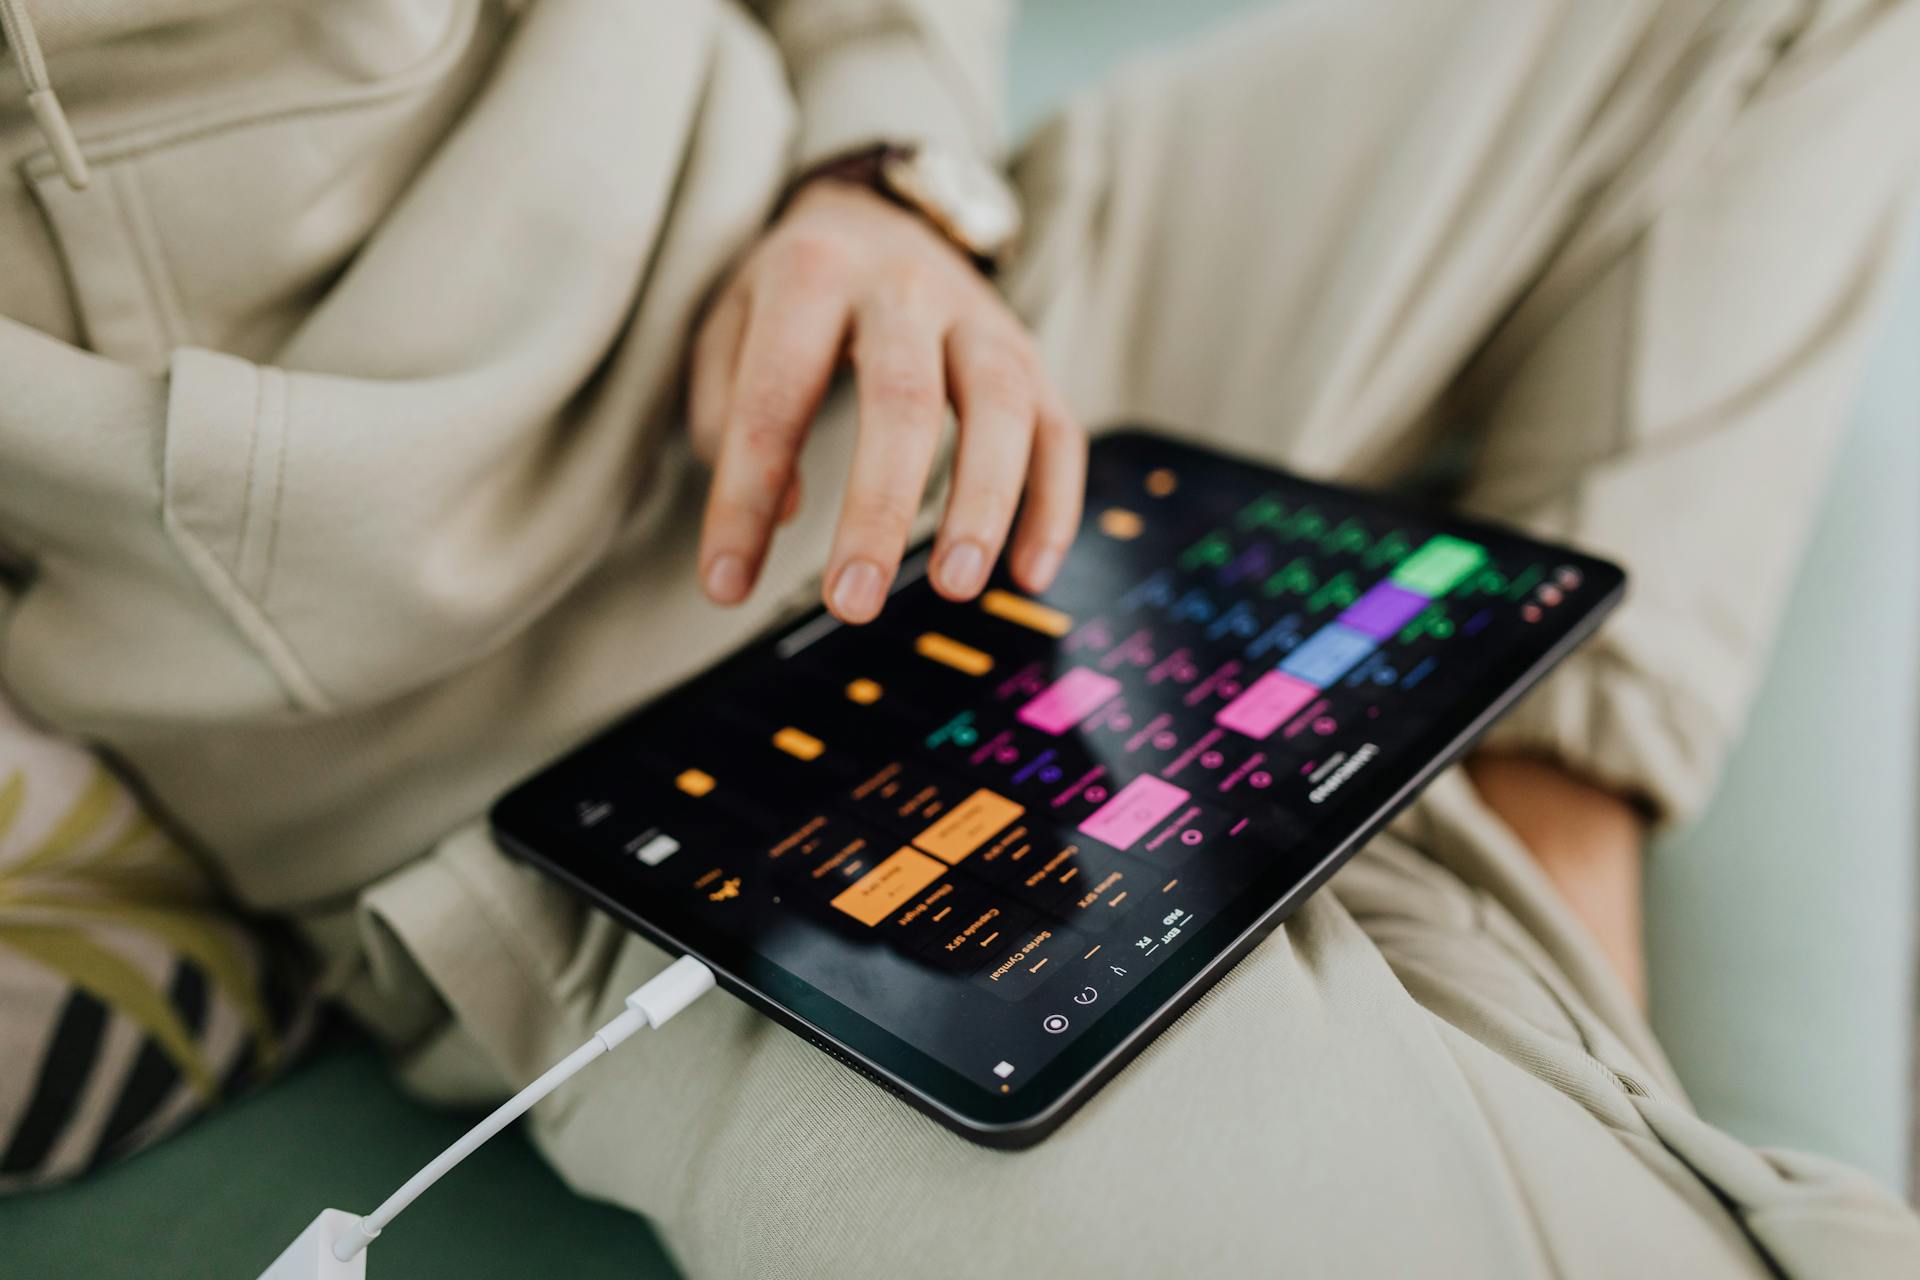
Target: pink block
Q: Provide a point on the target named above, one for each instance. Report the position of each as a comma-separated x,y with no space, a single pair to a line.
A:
1266,704
1069,700
1133,811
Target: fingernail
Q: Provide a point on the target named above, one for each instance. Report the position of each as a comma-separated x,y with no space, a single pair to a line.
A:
858,591
727,579
1041,568
963,569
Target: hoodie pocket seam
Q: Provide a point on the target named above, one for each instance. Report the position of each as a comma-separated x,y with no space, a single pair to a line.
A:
201,496
250,618
154,263
266,482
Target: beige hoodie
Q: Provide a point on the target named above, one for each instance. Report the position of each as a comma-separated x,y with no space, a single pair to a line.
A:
337,454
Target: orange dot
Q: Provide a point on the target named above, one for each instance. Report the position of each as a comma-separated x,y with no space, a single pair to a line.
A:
1120,523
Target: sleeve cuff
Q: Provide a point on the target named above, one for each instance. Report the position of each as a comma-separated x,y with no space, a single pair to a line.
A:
1623,730
886,89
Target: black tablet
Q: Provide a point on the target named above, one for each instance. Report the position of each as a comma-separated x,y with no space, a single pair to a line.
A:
982,853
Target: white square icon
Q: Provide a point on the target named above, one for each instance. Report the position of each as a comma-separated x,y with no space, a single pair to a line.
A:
1004,1070
657,850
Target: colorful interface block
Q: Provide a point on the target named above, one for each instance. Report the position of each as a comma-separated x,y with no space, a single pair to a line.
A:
1068,700
1267,703
1135,810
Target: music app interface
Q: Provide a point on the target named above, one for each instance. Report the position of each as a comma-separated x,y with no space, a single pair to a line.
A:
981,824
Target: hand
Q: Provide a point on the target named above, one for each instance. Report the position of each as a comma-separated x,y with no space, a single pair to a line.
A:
845,272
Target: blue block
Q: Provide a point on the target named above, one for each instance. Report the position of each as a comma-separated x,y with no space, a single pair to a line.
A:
1328,654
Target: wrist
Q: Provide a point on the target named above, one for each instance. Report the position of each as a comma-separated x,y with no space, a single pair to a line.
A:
967,202
1588,842
1559,816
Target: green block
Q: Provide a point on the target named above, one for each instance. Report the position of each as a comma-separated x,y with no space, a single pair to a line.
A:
1439,565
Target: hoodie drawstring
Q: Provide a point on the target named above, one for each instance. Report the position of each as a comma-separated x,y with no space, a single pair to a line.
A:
17,26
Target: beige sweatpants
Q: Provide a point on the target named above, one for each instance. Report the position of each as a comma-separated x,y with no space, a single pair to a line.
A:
1634,260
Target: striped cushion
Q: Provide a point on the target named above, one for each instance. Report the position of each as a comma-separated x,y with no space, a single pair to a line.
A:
129,999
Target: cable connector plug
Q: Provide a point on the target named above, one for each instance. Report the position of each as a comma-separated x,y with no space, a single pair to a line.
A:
665,994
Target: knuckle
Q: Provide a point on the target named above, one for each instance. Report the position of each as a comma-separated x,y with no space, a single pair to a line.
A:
750,502
767,412
986,509
764,436
907,387
1000,378
810,259
902,384
1062,431
909,285
880,517
730,521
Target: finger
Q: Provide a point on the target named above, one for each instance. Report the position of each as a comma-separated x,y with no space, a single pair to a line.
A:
993,389
716,355
787,357
902,396
790,505
1056,486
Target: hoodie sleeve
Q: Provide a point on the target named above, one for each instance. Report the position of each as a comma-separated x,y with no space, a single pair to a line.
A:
900,71
1678,409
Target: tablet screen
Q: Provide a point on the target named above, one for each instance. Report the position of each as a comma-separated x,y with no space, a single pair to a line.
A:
980,827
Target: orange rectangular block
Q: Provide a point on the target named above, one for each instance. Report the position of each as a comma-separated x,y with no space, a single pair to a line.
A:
968,825
875,895
1027,613
961,657
798,743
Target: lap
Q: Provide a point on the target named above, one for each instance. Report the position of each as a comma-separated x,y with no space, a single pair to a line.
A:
1308,1098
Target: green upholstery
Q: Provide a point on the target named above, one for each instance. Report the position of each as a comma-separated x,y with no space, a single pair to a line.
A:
1781,928
224,1197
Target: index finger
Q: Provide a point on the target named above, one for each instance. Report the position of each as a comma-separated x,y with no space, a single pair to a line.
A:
787,359
901,387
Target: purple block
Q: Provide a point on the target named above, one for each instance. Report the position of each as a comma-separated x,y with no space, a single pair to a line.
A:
1384,610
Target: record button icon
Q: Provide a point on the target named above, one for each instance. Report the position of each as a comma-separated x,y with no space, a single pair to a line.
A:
1054,1023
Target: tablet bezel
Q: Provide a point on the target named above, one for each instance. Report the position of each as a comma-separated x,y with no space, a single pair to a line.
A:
521,826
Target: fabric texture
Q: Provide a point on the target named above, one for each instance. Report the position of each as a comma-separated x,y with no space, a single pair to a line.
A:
131,998
333,535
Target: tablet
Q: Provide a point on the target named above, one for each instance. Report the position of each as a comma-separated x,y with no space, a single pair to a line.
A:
983,852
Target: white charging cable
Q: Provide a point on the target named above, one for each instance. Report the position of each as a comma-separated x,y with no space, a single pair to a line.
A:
667,993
